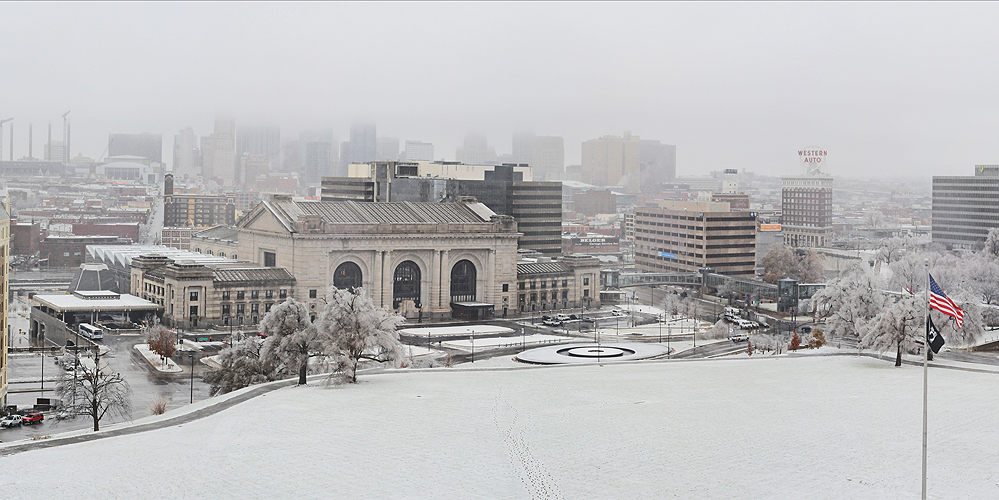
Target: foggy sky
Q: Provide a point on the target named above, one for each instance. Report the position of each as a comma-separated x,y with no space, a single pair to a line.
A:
887,89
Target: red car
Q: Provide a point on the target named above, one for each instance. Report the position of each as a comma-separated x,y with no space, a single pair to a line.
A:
32,418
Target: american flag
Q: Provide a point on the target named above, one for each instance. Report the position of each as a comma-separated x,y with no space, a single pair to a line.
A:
941,302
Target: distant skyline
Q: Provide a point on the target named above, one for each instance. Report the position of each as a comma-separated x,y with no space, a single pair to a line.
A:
888,89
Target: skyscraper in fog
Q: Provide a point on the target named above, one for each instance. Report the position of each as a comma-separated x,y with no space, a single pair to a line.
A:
225,150
656,164
317,155
387,149
474,150
149,146
184,154
362,147
546,154
416,150
611,161
260,141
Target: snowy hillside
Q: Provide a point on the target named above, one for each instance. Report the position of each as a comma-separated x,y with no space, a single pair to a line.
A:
818,427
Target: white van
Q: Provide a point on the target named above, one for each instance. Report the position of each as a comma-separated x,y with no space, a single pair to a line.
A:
562,317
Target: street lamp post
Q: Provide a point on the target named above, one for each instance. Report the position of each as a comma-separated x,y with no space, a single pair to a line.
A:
192,374
471,339
669,333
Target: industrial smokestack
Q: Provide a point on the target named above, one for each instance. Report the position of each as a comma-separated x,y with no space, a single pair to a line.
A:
29,143
11,155
48,150
66,153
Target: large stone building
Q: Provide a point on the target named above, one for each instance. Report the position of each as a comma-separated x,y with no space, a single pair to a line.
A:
196,210
806,205
688,235
569,282
966,207
536,206
431,260
194,295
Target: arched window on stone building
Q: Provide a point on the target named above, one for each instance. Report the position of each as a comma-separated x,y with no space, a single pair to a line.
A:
463,282
406,284
347,276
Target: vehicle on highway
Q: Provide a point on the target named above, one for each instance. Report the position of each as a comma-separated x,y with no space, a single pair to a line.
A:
32,418
10,421
90,331
739,337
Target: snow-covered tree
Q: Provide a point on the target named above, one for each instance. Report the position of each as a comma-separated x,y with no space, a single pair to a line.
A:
162,341
874,218
671,304
691,307
991,249
355,330
96,391
292,339
720,330
892,249
241,367
984,278
899,325
908,272
972,325
851,301
782,261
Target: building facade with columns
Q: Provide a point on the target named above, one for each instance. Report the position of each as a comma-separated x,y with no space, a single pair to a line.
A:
429,260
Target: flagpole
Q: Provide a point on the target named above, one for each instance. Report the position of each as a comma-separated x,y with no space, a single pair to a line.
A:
926,355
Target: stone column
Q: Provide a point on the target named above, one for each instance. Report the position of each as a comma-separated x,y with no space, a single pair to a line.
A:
376,279
445,281
490,287
434,300
387,275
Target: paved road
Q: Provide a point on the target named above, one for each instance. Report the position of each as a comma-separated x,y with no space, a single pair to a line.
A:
147,385
715,348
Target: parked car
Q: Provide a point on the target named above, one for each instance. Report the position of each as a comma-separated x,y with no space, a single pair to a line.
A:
32,418
739,337
10,421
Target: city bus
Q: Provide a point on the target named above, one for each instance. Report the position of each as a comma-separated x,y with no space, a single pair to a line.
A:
91,332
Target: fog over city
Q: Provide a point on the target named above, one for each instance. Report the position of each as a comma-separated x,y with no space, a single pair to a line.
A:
886,88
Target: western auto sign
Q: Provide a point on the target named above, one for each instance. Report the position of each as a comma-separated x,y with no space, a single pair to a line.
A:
812,156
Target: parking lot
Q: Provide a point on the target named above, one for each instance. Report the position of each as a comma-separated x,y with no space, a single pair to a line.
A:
26,383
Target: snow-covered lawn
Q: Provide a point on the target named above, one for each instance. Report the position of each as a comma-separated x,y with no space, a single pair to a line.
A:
810,427
496,342
447,331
